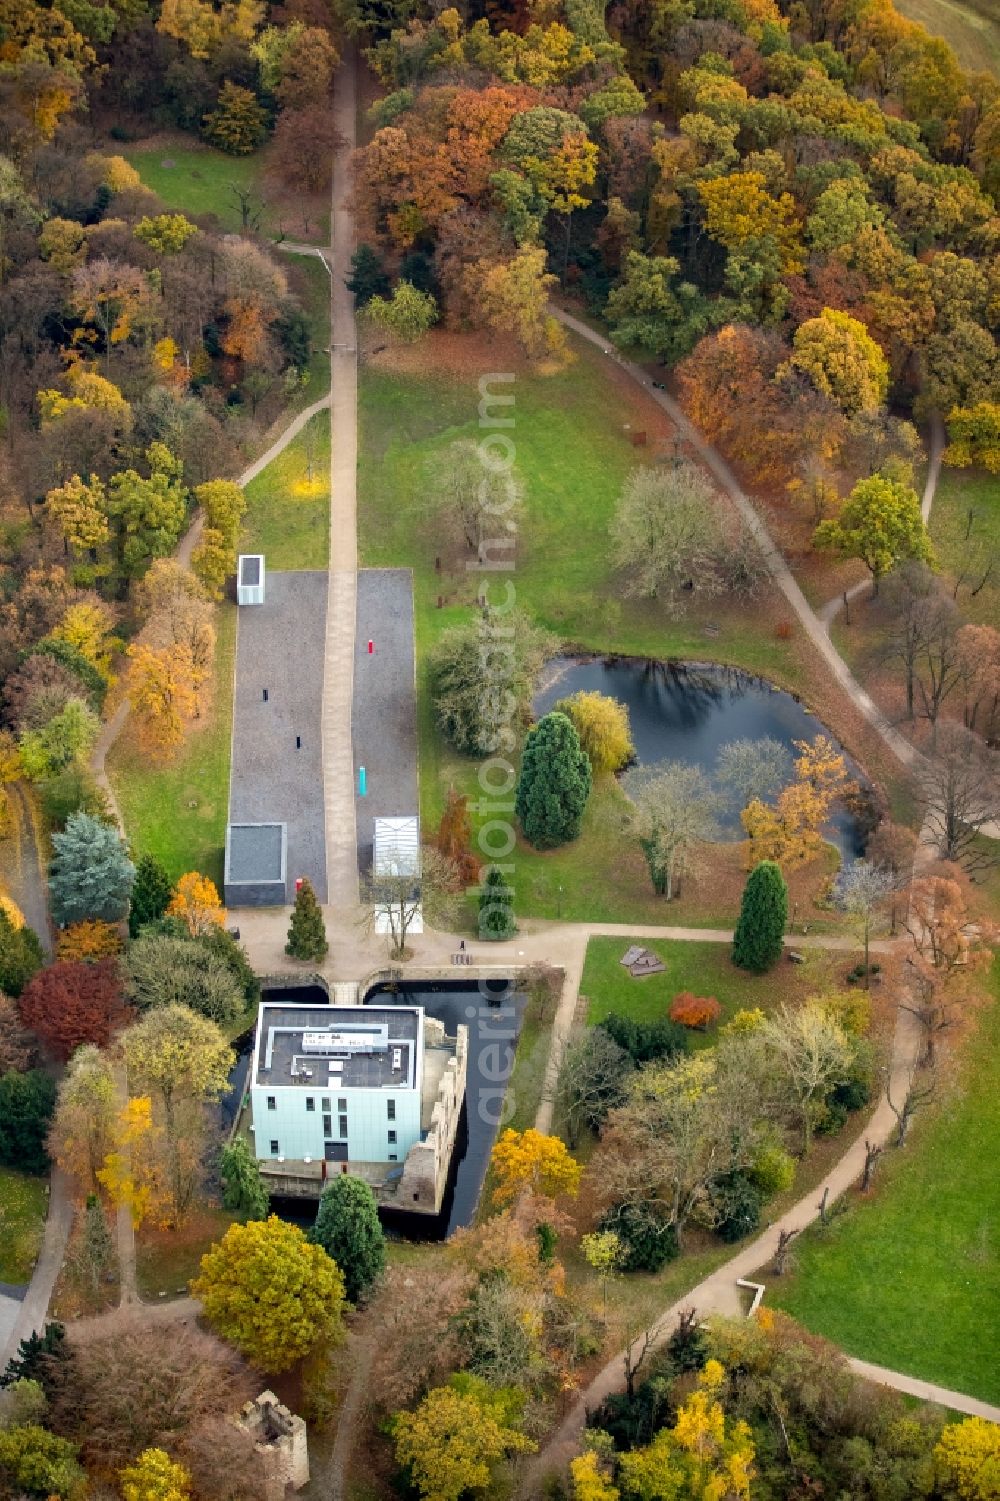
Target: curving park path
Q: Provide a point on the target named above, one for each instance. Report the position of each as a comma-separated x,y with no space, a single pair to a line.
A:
779,569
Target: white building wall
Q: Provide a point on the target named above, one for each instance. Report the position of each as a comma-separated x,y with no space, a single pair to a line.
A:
299,1131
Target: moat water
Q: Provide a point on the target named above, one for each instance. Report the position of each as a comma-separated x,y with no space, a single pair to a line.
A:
493,1016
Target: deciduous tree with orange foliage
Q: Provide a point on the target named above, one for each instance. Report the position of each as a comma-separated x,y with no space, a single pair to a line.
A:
696,1011
790,831
197,902
163,688
454,838
89,941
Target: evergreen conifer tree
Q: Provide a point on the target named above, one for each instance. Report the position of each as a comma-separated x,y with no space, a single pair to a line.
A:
243,1191
91,874
764,912
368,277
151,893
496,907
20,956
554,783
348,1229
307,931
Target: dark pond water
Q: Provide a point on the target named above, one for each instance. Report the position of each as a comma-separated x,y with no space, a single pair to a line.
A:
688,712
493,1017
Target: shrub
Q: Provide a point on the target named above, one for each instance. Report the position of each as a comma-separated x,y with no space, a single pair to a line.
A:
772,1171
783,630
647,1042
496,907
89,941
736,1204
648,1240
74,791
852,1009
694,1010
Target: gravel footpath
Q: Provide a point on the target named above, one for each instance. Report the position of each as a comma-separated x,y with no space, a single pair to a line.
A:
385,701
280,648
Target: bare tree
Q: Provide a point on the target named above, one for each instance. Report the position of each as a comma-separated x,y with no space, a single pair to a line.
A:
750,769
960,790
665,535
468,492
785,1238
939,669
863,893
132,1387
893,846
873,1151
917,1095
593,1080
676,808
913,598
397,895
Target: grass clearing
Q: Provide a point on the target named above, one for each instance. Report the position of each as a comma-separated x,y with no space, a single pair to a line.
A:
177,810
24,1203
288,506
972,27
965,525
705,969
907,1278
194,178
166,1260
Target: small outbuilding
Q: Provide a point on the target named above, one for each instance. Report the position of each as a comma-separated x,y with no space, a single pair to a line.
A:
250,579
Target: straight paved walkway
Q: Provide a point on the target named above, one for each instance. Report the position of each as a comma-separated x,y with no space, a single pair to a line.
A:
338,685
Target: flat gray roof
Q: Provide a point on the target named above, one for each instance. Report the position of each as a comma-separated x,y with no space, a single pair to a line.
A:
281,1036
250,568
255,852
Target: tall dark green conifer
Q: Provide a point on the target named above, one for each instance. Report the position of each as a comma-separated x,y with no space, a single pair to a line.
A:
554,783
757,941
307,931
496,907
151,893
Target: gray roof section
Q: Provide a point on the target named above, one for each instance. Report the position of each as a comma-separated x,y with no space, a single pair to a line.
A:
280,650
280,1029
255,852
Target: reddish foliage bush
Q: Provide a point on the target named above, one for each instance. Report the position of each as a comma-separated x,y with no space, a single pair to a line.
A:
694,1010
73,1002
783,630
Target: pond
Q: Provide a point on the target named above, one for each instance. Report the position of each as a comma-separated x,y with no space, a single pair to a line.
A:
687,711
493,1016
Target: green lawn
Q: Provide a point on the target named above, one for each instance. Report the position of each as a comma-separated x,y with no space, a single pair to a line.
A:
573,453
178,811
965,524
193,178
288,506
908,1279
23,1206
704,968
971,26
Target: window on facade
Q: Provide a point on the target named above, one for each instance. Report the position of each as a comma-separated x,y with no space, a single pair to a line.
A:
274,1148
341,1104
393,1156
390,1109
326,1103
343,1125
272,1103
392,1136
328,1125
310,1102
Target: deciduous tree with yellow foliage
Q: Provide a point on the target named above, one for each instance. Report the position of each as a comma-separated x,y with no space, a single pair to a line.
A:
450,1443
155,1477
529,1160
790,831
